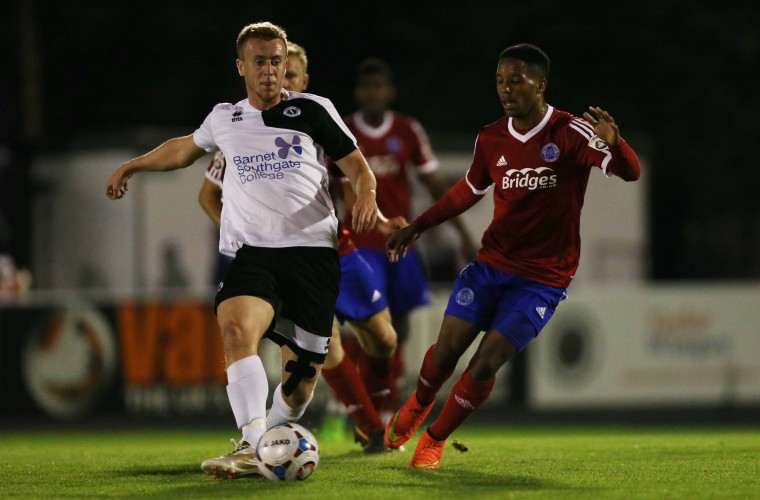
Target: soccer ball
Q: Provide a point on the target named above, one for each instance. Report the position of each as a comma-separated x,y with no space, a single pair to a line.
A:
287,452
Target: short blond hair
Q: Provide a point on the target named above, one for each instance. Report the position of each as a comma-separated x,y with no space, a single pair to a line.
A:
298,52
261,31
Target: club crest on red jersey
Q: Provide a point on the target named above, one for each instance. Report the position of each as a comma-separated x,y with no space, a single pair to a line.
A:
550,152
394,144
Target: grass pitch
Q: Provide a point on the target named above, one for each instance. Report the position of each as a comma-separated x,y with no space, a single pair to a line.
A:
502,462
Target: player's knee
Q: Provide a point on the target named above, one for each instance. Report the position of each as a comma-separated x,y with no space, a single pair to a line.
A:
445,356
497,350
384,340
487,361
485,365
234,334
377,335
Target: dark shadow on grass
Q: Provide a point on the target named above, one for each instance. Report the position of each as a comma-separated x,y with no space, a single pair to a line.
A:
458,480
165,470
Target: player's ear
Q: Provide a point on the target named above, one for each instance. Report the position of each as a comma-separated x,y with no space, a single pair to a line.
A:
542,84
239,65
305,81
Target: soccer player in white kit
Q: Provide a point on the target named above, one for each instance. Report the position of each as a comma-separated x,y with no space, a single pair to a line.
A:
279,222
359,300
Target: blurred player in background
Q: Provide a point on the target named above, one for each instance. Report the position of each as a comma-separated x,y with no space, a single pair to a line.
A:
359,299
279,222
393,144
538,160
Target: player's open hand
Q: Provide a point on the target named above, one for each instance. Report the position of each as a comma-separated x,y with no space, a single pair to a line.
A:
399,241
387,226
117,185
604,125
364,212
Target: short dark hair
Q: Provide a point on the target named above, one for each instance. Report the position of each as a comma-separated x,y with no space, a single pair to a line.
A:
529,54
374,66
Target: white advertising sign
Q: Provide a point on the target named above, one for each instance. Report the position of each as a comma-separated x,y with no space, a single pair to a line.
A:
649,346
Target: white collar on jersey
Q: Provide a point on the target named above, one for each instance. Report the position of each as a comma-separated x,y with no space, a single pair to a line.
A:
373,132
246,104
524,137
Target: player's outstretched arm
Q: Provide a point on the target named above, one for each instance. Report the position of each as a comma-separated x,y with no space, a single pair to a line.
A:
175,153
435,186
364,210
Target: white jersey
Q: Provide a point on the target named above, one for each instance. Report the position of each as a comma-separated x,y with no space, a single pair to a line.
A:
276,181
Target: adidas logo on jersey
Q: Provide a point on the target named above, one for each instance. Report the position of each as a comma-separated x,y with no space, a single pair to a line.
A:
236,116
541,311
502,162
376,295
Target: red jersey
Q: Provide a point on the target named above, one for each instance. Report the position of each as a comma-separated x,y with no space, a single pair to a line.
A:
540,178
399,144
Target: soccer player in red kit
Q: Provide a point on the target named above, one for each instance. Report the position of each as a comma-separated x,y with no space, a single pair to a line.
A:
538,160
394,145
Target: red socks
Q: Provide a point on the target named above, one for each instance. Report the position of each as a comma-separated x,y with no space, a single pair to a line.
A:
465,397
398,371
377,376
431,378
348,388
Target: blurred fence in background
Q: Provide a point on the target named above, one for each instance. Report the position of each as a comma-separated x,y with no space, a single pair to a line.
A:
120,316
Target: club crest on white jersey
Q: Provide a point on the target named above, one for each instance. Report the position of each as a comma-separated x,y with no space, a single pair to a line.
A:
292,111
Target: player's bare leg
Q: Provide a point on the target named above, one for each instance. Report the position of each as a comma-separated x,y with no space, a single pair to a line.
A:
293,395
242,322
